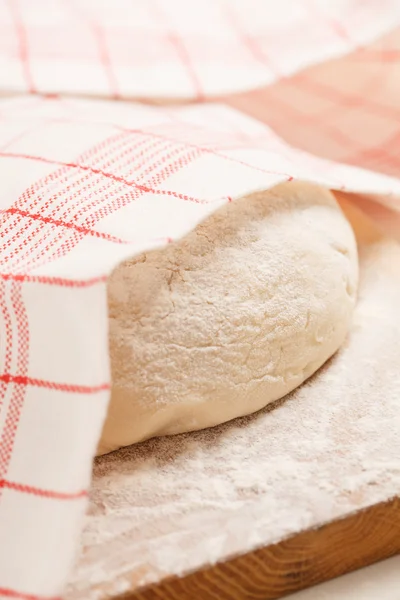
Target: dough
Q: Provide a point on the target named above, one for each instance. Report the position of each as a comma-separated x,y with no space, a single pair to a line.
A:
234,316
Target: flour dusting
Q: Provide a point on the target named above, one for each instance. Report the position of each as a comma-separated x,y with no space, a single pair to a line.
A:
174,504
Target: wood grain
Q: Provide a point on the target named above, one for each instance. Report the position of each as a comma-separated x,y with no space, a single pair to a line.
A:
300,561
163,511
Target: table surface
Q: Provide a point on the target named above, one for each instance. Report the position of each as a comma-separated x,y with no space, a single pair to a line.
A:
171,506
381,580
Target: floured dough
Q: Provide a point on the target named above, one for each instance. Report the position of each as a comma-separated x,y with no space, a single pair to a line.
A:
232,317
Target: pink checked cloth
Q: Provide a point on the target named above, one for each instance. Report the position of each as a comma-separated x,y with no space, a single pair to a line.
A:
87,183
176,48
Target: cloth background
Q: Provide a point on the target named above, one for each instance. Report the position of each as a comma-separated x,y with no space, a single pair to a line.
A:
85,183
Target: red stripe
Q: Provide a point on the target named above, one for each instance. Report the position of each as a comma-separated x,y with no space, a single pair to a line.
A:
384,56
60,223
54,280
23,44
183,54
156,167
143,188
332,23
7,338
204,149
105,59
169,138
29,489
100,38
249,42
335,95
322,122
32,199
21,338
21,596
178,44
53,385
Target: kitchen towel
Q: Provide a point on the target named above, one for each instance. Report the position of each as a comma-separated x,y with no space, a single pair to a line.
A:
85,183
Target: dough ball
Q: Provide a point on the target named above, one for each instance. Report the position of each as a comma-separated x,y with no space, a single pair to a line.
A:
234,316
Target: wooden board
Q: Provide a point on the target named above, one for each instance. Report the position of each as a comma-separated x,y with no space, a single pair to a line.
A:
271,503
301,561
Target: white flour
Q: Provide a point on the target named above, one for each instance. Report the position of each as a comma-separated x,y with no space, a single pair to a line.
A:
230,318
174,504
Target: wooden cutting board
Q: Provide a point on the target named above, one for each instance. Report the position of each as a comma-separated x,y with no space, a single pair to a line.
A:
271,503
301,561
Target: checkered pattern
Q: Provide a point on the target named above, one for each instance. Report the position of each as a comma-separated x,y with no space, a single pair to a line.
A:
346,110
84,185
176,48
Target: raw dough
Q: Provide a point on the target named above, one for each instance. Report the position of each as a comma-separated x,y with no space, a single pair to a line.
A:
230,318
